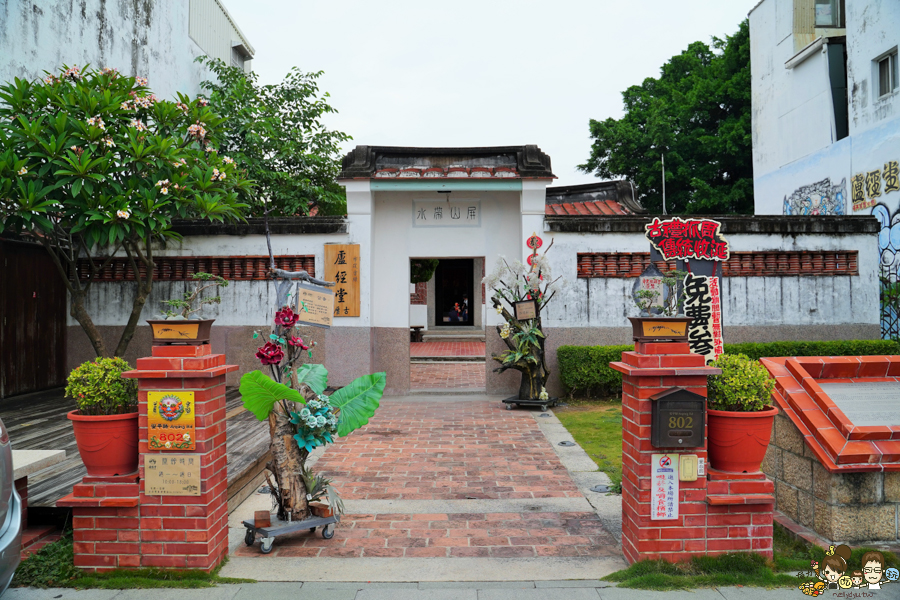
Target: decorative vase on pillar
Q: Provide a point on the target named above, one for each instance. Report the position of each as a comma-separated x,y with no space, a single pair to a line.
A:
737,441
108,444
739,414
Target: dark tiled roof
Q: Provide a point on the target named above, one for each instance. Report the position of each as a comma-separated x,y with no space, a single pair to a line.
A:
604,198
365,162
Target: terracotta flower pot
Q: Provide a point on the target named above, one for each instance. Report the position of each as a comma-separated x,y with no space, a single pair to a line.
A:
108,444
180,331
737,441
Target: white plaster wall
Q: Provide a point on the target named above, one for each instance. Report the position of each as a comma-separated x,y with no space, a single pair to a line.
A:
138,37
243,302
607,302
395,240
873,28
792,112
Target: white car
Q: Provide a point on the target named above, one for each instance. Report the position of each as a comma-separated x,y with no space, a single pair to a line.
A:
10,514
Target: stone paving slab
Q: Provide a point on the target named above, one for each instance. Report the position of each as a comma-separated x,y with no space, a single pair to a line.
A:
430,451
495,535
447,375
410,569
490,590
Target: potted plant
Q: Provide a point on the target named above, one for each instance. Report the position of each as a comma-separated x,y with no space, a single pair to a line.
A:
106,420
324,500
739,414
178,327
660,320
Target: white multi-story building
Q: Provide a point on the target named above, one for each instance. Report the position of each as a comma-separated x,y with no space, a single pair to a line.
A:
826,114
157,40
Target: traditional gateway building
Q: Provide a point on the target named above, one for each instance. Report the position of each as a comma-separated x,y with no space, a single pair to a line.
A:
789,278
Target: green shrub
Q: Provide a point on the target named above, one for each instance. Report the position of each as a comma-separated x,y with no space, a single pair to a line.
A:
743,386
99,389
584,370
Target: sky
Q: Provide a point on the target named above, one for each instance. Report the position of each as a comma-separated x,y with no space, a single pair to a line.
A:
478,73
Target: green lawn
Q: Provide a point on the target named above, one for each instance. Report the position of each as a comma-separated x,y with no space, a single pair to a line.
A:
597,427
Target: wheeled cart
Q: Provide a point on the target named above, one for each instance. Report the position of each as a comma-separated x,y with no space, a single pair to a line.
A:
542,404
268,534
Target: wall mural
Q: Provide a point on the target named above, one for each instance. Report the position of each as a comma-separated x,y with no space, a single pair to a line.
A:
889,265
820,198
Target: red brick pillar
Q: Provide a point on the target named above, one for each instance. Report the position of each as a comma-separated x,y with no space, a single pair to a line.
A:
720,512
118,525
650,369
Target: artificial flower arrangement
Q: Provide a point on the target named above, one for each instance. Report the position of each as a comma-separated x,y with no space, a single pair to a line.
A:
302,417
524,339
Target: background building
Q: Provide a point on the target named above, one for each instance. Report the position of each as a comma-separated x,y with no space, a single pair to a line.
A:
826,115
157,40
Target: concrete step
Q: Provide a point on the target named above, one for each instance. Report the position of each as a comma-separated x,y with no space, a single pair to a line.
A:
435,359
428,336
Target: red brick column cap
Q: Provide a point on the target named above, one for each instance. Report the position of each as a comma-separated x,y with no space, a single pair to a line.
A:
205,373
660,372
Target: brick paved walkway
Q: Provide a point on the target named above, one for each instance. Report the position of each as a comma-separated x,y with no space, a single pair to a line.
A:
455,450
443,375
433,349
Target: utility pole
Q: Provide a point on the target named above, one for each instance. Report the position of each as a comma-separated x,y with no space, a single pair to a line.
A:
663,156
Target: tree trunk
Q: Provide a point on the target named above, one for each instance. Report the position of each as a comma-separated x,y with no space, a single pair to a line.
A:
80,314
137,306
531,385
287,465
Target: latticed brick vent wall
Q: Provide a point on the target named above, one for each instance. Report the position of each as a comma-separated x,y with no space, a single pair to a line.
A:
741,264
182,268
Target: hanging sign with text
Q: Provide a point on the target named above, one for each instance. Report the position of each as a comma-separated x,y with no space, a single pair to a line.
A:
170,420
446,213
691,238
315,305
342,266
702,303
664,487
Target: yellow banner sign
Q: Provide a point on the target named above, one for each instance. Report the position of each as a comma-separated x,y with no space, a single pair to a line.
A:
171,474
343,267
170,421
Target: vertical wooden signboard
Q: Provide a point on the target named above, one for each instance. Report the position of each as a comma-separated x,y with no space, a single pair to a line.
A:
342,266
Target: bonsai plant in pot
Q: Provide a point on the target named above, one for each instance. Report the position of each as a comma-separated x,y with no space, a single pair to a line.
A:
662,316
106,420
739,414
178,327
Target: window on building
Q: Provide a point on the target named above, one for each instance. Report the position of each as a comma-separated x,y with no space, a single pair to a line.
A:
830,13
887,73
237,58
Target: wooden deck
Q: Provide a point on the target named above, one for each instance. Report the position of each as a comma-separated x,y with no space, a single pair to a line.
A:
38,422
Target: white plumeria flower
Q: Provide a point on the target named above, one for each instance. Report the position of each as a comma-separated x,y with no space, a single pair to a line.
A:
23,170
499,310
123,214
228,160
544,395
163,190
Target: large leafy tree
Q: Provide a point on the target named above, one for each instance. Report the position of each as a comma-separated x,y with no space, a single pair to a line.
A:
276,133
92,164
698,115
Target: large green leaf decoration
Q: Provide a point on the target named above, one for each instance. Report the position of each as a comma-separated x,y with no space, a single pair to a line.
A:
260,394
358,401
315,376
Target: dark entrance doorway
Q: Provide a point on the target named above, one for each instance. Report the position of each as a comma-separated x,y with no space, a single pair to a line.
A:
453,285
32,320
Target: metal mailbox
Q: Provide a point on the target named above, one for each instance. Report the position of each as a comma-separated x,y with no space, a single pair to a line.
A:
678,419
